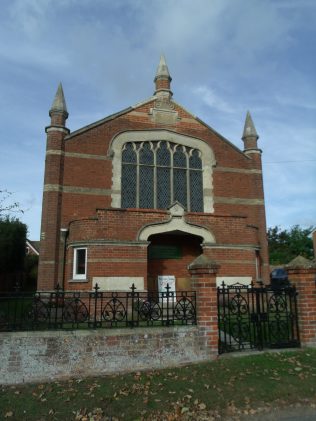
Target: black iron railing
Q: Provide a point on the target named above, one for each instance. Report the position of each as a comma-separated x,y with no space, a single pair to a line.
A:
257,317
95,309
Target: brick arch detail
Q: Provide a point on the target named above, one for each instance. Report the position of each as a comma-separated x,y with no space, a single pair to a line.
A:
176,224
208,159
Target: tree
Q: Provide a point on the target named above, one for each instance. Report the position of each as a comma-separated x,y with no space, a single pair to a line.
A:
12,244
15,265
284,245
5,207
30,272
12,251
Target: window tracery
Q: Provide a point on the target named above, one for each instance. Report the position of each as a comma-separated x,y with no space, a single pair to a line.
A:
155,174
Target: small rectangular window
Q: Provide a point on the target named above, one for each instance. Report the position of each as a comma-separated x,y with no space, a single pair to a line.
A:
80,263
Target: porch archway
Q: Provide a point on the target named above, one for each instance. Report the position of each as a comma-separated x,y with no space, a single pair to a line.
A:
170,254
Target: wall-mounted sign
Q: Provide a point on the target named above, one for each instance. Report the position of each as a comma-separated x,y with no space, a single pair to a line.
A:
163,281
164,252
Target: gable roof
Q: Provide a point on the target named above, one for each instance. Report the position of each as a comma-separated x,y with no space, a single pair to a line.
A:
34,245
139,104
108,118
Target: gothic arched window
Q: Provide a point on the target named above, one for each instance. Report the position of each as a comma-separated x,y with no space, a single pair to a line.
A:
155,174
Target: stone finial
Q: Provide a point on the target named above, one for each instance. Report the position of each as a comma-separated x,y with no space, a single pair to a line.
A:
300,262
176,209
250,136
59,103
162,79
249,129
162,70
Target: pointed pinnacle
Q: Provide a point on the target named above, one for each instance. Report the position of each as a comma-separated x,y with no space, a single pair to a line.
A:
59,103
249,129
162,70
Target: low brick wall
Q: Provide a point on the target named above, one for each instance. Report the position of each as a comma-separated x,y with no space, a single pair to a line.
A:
43,356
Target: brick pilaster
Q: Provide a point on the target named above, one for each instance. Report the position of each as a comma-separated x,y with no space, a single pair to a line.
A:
304,279
203,280
48,270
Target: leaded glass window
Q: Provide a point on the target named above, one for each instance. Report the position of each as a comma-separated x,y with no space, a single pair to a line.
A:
180,186
196,181
179,157
146,187
196,191
129,186
155,174
129,153
195,160
146,155
163,188
163,155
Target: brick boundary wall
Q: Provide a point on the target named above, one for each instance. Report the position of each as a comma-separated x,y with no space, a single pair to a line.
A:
43,356
55,355
28,357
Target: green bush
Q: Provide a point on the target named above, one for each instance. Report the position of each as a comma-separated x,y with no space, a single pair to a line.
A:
285,245
12,247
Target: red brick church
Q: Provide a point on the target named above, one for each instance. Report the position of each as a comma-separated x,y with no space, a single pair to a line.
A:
142,193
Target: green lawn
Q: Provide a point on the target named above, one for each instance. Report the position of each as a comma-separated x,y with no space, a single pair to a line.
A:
227,385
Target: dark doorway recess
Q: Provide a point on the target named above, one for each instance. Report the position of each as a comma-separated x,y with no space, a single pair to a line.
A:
170,254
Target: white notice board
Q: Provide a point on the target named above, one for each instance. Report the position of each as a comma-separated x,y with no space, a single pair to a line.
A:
164,280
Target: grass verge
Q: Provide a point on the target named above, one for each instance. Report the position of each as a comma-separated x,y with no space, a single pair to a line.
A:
228,386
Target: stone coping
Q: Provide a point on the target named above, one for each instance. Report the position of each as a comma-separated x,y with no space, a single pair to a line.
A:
137,331
301,262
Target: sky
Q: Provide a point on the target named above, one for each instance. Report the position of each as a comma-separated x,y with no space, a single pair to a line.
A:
225,57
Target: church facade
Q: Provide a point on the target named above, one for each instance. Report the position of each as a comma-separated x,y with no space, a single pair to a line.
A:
139,195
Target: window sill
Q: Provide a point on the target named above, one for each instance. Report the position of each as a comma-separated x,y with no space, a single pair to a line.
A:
78,280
